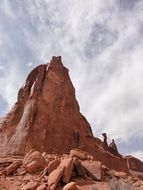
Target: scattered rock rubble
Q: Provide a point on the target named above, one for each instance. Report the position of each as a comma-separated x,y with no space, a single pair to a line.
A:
74,171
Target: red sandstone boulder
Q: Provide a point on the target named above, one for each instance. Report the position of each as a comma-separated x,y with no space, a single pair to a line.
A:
120,174
70,186
30,186
33,161
80,154
55,177
68,163
51,166
41,187
79,168
94,169
13,167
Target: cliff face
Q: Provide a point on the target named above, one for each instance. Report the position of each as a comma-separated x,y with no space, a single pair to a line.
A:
46,116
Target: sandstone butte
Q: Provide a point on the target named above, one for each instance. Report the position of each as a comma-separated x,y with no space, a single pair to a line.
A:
47,118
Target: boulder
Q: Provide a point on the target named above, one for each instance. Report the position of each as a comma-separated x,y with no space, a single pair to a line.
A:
44,154
51,166
41,187
13,167
70,186
79,168
27,178
55,177
93,168
79,154
30,186
33,162
120,174
68,163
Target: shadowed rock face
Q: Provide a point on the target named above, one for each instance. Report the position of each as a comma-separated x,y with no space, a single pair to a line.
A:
46,116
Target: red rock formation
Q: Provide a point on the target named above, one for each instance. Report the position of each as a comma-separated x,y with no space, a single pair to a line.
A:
134,164
46,117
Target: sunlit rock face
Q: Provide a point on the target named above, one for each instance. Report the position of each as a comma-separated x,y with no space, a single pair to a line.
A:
46,116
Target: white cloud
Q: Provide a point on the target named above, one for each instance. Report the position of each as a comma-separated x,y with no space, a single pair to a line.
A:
29,64
1,42
101,43
7,8
2,67
10,84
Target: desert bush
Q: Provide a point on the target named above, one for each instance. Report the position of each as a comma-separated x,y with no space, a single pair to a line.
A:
116,184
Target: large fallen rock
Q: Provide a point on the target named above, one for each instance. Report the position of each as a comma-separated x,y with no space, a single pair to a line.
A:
70,186
63,171
68,163
51,166
33,162
120,174
13,167
83,155
30,186
93,168
79,168
55,177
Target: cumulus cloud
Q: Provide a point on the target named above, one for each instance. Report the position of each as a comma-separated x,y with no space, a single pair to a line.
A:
101,43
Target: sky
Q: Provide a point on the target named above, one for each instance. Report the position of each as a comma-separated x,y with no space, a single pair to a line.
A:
100,41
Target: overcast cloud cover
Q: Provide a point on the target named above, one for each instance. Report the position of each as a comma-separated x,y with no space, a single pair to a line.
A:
101,42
